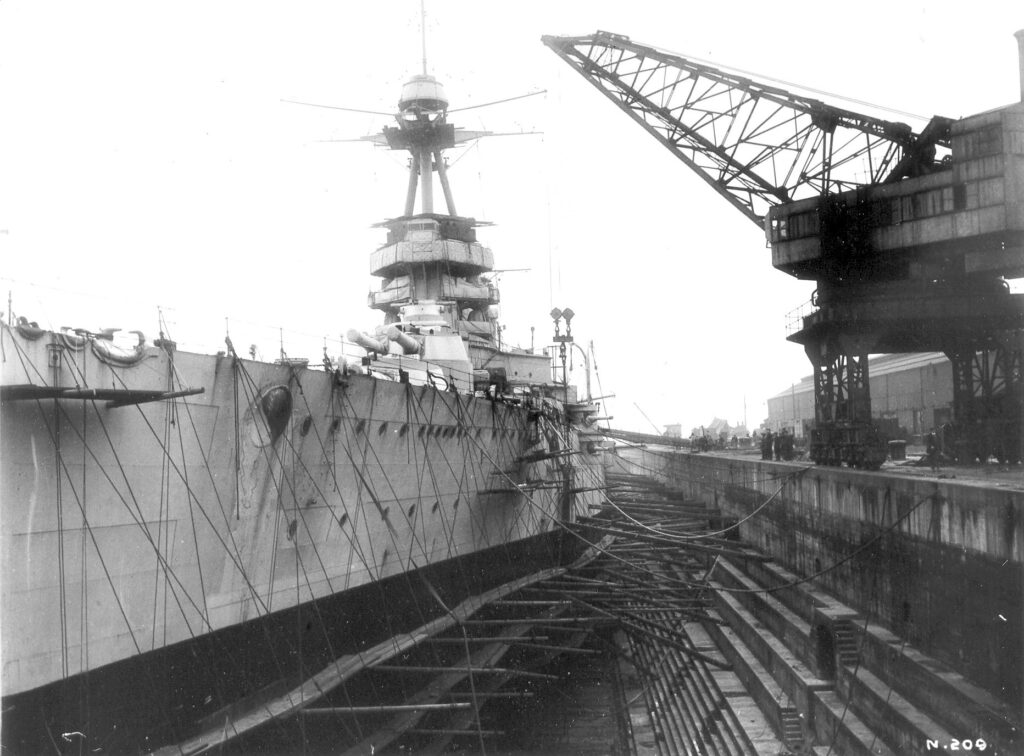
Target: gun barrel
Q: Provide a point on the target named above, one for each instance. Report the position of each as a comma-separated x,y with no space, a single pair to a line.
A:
367,342
408,343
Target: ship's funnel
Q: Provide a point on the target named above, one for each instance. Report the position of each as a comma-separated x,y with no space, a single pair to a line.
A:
408,343
368,343
1020,60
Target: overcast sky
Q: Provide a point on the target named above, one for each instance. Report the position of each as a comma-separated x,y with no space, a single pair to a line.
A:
146,160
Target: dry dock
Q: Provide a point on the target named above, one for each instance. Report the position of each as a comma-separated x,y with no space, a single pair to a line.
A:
729,606
891,610
840,612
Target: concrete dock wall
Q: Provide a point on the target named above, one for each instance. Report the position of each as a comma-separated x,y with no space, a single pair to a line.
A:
938,561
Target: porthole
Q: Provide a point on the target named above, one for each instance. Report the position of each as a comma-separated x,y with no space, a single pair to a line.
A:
307,423
343,519
335,424
412,511
383,429
360,426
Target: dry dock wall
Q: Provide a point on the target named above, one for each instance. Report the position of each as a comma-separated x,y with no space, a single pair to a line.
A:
938,561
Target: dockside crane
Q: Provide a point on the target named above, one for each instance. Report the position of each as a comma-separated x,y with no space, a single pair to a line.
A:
909,236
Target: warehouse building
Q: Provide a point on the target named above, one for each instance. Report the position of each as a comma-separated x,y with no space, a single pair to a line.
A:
914,391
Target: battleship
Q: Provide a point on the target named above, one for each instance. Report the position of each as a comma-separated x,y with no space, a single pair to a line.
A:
184,532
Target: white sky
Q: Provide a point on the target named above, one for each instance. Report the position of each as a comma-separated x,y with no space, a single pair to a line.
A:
146,159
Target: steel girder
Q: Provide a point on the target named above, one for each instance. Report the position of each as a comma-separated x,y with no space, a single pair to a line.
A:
843,430
988,397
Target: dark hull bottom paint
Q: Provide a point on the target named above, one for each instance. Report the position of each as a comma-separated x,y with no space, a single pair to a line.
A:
160,697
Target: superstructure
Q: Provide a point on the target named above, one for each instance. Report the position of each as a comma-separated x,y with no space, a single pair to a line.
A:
184,533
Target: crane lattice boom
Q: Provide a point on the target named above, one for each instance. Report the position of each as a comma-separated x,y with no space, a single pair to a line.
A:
758,146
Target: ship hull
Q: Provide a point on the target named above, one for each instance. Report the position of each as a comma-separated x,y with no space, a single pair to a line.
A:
167,552
162,696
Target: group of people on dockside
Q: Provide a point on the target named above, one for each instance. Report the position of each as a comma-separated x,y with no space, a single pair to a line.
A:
778,446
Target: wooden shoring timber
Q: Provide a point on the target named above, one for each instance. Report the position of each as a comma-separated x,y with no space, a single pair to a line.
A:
667,636
466,732
646,565
644,548
463,719
524,621
652,502
623,654
652,595
684,544
479,669
481,639
332,676
575,581
568,592
670,638
690,524
558,649
665,523
656,594
699,536
382,708
591,624
682,529
660,513
644,578
440,669
656,600
678,613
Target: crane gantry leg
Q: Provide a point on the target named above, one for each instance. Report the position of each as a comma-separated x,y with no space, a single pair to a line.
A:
843,430
988,396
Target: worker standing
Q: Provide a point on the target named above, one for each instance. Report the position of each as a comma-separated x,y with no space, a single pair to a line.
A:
932,451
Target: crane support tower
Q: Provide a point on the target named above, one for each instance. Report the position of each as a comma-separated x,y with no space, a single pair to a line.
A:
910,237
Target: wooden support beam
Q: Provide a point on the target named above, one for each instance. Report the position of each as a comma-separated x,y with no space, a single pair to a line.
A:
560,649
471,733
383,708
659,633
470,670
483,639
524,621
